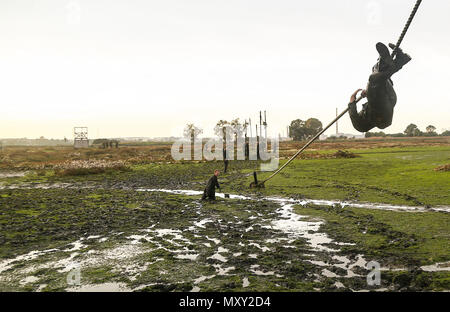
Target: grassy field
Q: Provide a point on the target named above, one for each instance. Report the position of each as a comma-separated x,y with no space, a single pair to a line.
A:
388,175
60,207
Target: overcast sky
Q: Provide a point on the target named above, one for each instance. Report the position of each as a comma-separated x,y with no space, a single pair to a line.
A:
146,68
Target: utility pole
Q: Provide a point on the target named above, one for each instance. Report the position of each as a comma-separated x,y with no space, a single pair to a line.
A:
265,126
246,142
245,127
257,142
260,124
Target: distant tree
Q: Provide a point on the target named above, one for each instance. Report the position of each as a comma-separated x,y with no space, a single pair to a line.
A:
375,134
313,126
218,129
412,130
301,130
431,129
237,127
445,133
396,135
191,131
297,130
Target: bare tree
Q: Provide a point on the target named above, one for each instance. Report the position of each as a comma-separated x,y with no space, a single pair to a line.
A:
191,131
218,129
237,127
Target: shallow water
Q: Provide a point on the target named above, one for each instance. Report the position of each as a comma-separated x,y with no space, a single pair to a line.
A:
12,174
319,202
106,287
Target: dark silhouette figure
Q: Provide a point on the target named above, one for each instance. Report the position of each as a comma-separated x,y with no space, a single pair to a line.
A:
247,148
225,160
210,190
381,97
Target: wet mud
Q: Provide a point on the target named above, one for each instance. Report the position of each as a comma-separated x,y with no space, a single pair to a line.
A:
164,240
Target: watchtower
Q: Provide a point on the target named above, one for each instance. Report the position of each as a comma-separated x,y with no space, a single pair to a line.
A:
80,135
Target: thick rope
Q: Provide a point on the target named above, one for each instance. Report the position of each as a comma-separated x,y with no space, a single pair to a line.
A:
405,29
400,39
309,142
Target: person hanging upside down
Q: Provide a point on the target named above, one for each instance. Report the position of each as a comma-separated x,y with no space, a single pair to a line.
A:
381,97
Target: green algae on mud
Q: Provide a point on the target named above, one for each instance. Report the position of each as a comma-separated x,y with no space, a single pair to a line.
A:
396,239
58,216
403,176
183,244
156,241
179,243
400,238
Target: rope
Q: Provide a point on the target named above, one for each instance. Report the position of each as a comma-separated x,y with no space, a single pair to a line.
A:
310,142
400,39
405,29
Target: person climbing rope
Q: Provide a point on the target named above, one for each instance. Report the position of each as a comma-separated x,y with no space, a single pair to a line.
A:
210,190
381,97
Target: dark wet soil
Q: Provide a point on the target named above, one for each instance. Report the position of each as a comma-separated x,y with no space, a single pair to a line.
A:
126,239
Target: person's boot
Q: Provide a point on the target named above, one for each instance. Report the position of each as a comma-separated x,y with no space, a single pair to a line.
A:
401,58
385,55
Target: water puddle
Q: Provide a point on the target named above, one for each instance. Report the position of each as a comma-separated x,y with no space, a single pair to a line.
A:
318,202
442,266
106,287
12,174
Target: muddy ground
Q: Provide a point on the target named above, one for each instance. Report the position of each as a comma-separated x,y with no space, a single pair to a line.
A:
130,231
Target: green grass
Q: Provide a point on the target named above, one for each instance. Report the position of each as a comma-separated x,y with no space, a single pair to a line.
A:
401,237
389,175
35,219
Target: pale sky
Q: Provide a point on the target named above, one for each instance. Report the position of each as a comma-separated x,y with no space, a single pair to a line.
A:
146,68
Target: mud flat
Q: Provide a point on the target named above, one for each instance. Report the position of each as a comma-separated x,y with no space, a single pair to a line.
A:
186,244
145,229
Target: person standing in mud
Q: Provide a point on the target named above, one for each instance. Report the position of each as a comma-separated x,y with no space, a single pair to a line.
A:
210,190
